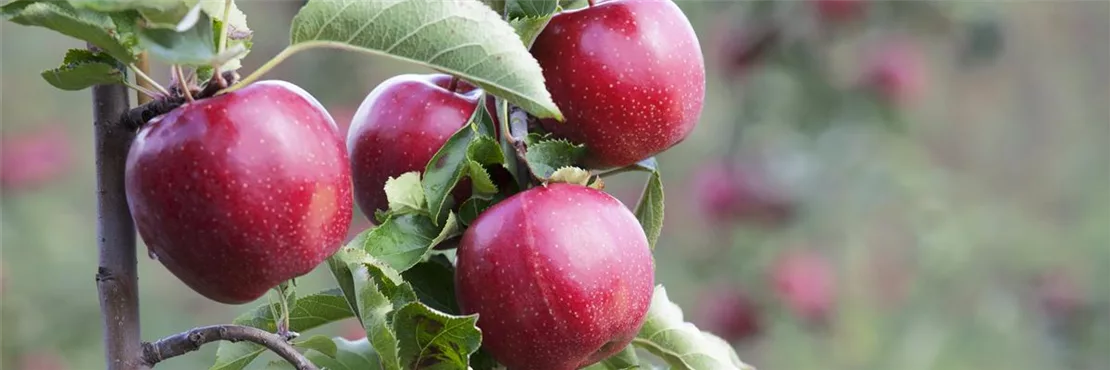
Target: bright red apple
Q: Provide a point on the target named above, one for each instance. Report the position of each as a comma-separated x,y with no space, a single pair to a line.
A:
561,277
726,194
839,10
895,71
804,280
239,192
400,126
732,315
628,76
34,158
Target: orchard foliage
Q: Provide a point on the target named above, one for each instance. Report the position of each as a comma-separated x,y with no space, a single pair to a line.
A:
245,200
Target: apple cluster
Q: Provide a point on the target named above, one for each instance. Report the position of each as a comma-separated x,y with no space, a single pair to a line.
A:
242,191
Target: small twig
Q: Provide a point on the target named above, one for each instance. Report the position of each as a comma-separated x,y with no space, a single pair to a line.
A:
145,95
142,76
454,85
182,343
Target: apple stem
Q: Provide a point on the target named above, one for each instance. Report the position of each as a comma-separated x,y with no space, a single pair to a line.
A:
143,77
590,3
144,66
183,83
453,86
223,29
182,343
117,278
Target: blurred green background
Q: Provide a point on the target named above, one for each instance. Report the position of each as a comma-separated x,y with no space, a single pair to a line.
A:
964,226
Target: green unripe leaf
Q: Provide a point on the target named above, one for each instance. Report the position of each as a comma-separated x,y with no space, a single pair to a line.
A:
531,8
464,38
83,68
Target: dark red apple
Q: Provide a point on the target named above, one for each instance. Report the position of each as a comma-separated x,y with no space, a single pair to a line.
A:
399,127
732,315
34,158
729,194
895,72
237,193
839,10
804,281
628,76
560,275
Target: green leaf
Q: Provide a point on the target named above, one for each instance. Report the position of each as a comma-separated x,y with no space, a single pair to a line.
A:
531,8
650,209
405,194
473,207
122,5
356,354
99,29
625,359
310,312
318,343
434,340
192,46
434,283
404,240
529,28
445,169
464,38
324,361
547,156
480,180
681,344
485,150
82,69
379,290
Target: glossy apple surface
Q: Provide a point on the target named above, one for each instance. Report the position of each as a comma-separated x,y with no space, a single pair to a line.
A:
400,125
239,192
628,76
561,277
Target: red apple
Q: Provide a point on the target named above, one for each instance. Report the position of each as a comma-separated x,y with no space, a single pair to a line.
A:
839,10
804,280
1060,295
42,360
34,158
237,193
561,277
732,315
729,194
742,47
399,127
627,74
895,72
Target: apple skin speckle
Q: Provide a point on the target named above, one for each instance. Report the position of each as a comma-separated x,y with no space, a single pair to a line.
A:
561,277
628,75
239,192
400,125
